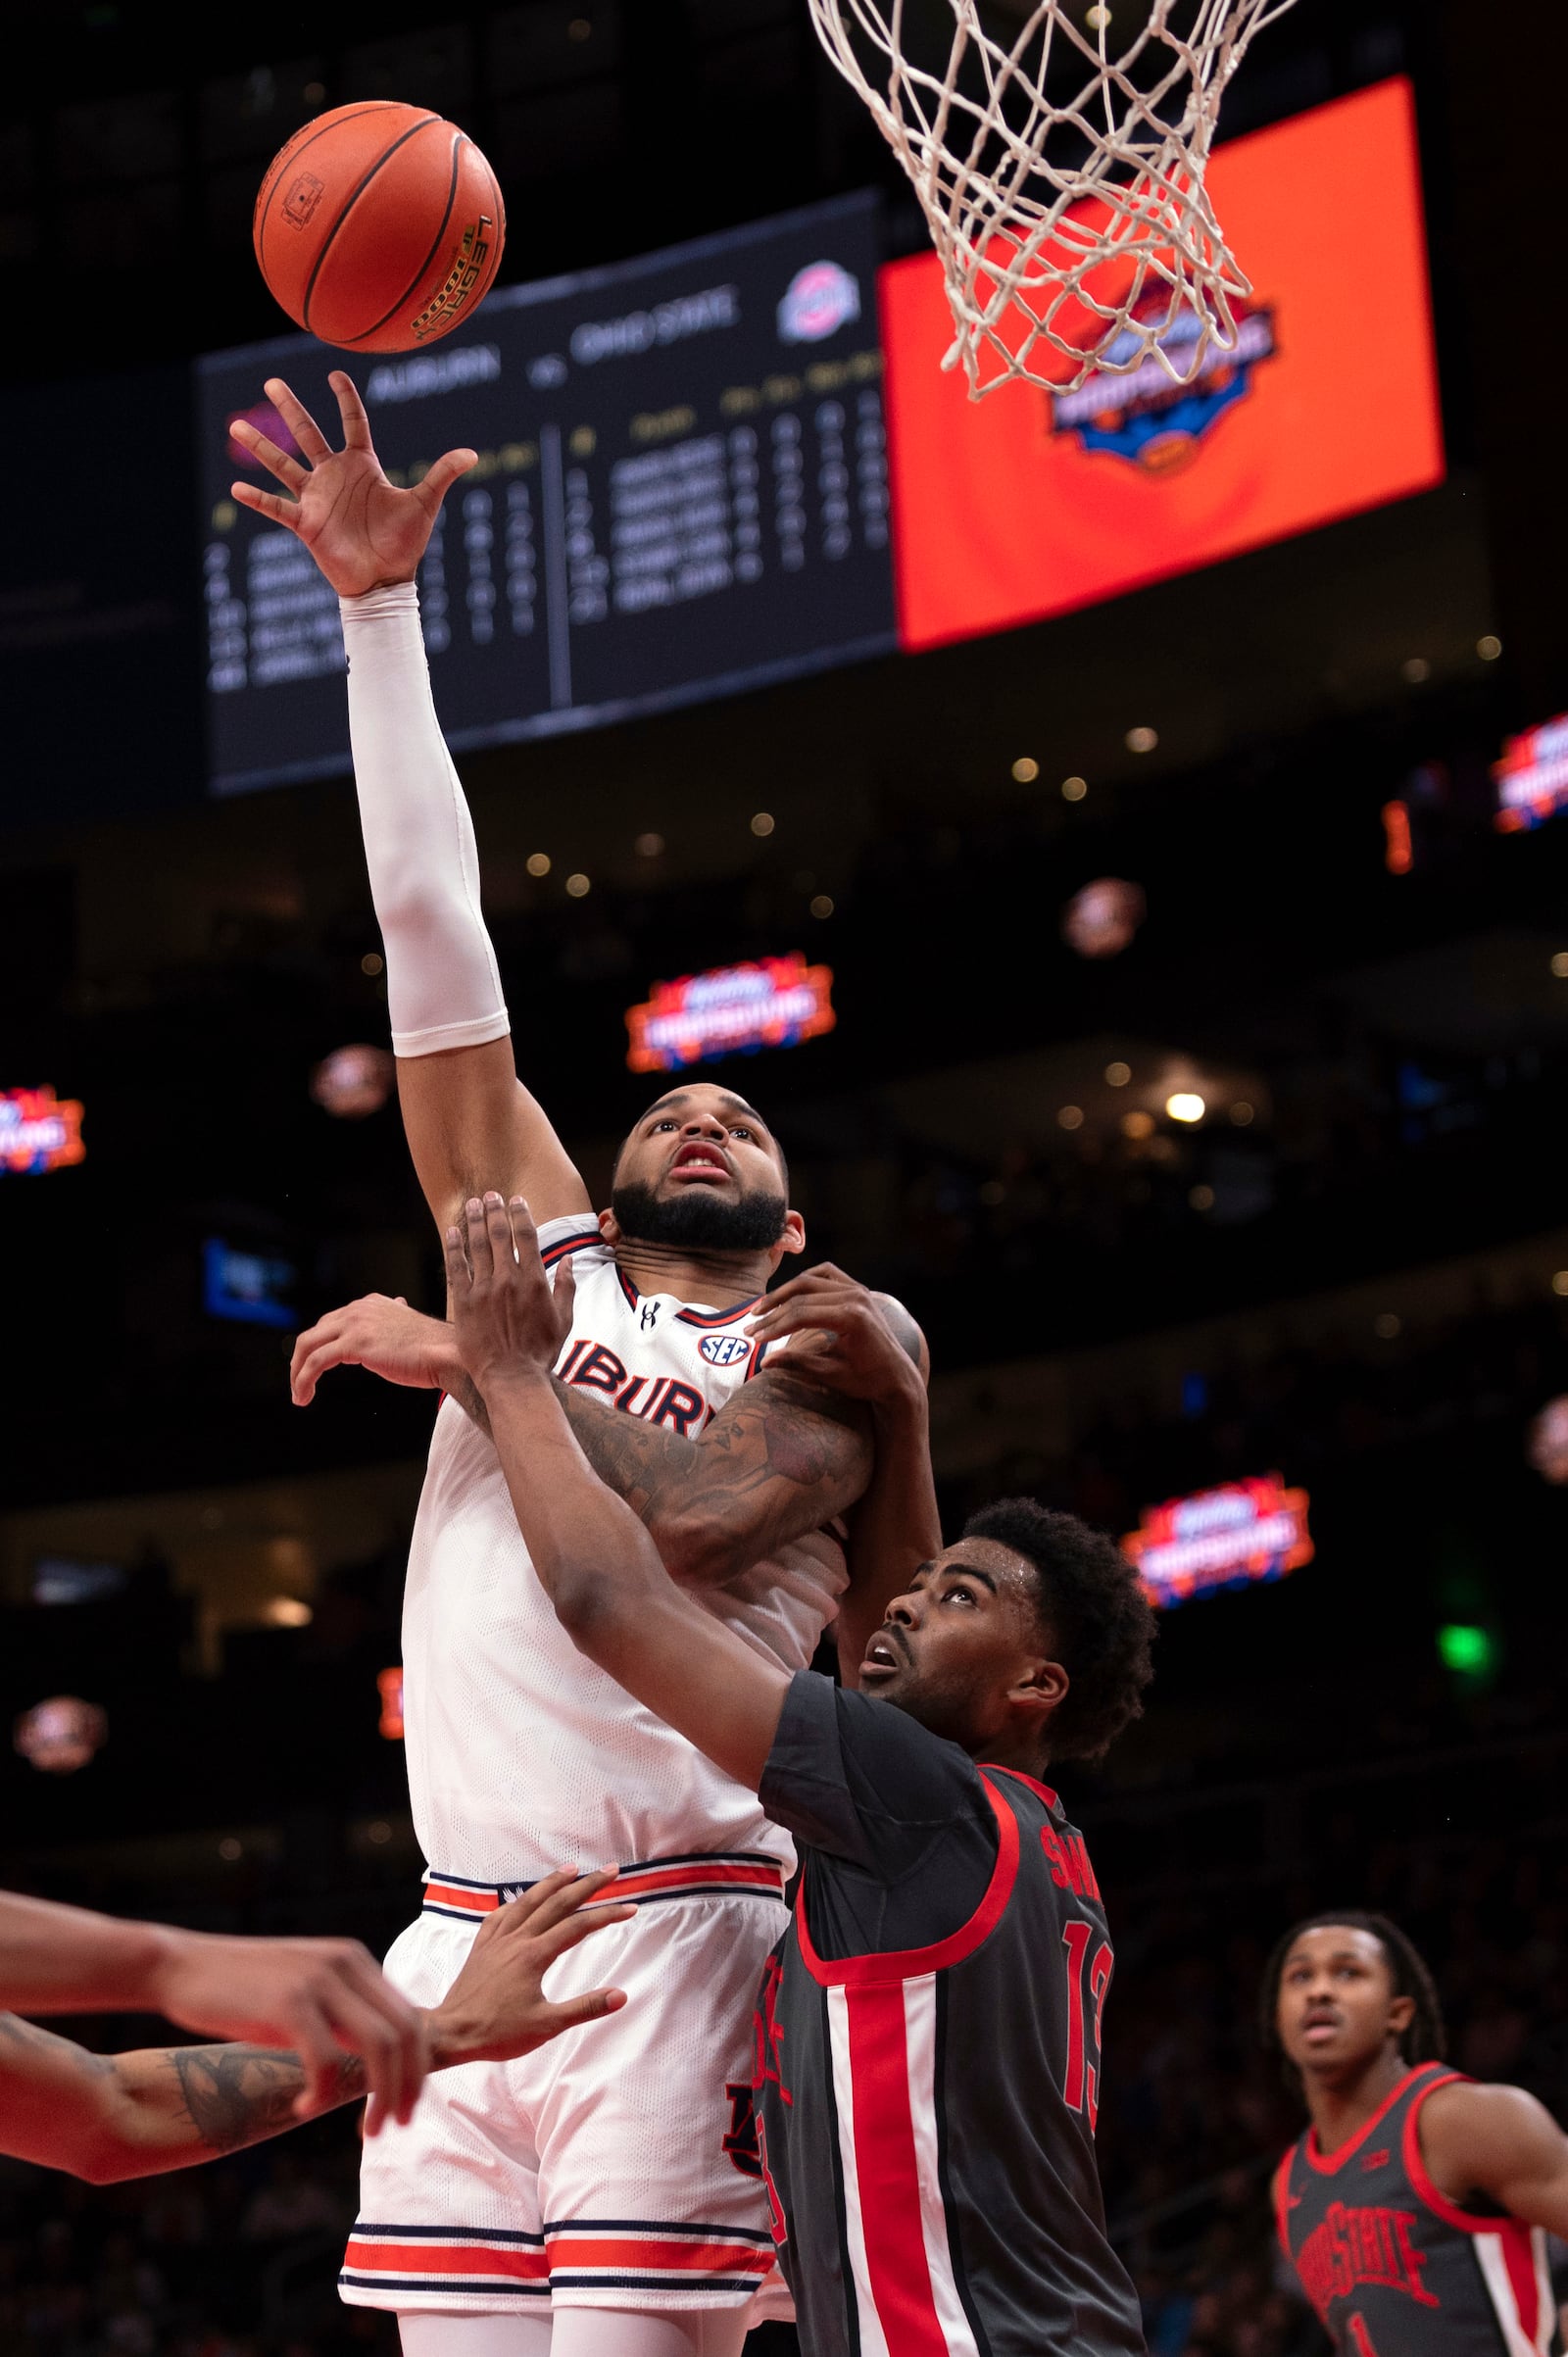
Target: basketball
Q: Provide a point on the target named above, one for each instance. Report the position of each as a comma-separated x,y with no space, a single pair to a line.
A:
378,227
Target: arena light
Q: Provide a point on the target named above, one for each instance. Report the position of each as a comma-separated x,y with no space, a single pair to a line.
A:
730,1010
1468,1651
38,1132
1185,1104
1532,777
389,1685
1102,920
1245,1531
62,1735
353,1082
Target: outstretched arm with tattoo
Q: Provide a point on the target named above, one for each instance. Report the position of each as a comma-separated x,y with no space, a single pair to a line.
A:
105,2117
783,1456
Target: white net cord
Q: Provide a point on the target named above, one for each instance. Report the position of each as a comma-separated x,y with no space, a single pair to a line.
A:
1061,173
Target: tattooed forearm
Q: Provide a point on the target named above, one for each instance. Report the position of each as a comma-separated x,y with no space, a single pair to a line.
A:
777,1460
236,2096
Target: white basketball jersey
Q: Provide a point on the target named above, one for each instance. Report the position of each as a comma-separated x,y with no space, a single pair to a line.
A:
522,1755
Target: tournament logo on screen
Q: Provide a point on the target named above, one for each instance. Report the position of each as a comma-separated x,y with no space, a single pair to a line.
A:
1227,1538
38,1131
733,1010
818,302
1532,777
1142,415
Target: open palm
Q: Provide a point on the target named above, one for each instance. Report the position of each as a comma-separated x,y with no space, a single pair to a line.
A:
362,530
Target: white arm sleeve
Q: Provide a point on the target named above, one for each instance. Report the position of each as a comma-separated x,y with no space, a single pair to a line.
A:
442,984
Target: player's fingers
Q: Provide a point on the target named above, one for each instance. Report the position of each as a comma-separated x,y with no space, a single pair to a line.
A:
266,503
498,1229
481,1259
590,2007
297,418
304,1376
577,1928
443,474
458,1278
276,461
389,2044
313,2043
525,1234
559,1896
351,409
565,1293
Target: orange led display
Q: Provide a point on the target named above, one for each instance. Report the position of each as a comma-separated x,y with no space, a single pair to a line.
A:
1029,504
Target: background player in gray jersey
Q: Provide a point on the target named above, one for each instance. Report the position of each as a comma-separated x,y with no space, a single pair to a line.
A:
928,2057
1416,2208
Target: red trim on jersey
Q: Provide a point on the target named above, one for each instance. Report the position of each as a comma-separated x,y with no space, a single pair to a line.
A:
888,2174
446,2258
1415,2168
1519,2257
1326,2164
471,1902
717,1317
905,1964
633,1296
570,2250
1044,1789
569,1244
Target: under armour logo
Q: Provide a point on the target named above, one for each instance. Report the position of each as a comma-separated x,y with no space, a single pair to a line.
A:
650,1314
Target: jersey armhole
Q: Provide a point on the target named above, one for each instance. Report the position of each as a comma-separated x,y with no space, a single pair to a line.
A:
885,1967
1415,2168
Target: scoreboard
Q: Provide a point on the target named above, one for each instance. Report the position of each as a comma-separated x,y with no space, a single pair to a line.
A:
682,490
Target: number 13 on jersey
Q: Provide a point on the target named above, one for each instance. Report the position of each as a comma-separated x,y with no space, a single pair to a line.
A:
1085,2007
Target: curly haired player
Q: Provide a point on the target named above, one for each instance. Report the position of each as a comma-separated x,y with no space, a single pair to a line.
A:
926,2075
1416,2207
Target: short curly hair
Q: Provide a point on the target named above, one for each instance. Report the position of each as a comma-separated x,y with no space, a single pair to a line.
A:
1425,2040
1098,1615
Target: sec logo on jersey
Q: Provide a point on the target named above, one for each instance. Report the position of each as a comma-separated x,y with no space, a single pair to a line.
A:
724,1350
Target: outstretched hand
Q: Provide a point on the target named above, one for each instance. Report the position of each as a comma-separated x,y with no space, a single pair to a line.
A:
504,1313
495,2009
363,532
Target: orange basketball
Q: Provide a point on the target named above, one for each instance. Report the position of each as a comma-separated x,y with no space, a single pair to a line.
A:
379,226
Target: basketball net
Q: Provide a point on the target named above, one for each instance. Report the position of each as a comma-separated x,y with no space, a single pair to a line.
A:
1059,161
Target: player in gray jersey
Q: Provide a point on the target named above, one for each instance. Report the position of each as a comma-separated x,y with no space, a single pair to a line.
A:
927,2064
1415,2209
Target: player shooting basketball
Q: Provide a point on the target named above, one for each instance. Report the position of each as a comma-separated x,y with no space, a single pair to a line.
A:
927,2060
1415,2210
592,2181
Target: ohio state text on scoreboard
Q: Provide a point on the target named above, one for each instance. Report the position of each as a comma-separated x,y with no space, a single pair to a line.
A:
1029,504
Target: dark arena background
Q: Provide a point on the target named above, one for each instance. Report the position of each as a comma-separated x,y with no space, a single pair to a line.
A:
1172,803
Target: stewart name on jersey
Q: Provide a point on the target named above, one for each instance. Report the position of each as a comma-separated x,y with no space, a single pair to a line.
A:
523,1756
1394,2267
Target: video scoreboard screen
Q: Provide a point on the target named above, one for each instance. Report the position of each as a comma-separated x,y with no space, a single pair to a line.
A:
681,490
1029,504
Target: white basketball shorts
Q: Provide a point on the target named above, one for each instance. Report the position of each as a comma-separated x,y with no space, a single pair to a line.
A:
594,2172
